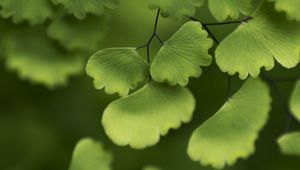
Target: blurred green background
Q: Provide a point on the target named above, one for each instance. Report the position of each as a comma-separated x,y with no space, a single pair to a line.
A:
39,127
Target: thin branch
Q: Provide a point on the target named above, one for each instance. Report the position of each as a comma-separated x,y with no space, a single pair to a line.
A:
153,35
207,30
281,100
229,22
285,79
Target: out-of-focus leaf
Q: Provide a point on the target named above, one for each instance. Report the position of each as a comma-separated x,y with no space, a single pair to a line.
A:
77,34
291,7
295,101
33,11
176,8
34,57
290,143
80,8
90,155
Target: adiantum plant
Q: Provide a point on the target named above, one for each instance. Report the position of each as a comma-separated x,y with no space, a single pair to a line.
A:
154,99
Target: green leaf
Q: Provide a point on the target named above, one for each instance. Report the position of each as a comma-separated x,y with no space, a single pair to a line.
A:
37,59
231,133
291,7
223,9
76,34
90,155
290,144
295,101
117,69
141,118
255,44
151,168
176,8
33,11
80,8
182,55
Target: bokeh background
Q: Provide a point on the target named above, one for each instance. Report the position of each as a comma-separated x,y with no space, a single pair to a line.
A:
39,127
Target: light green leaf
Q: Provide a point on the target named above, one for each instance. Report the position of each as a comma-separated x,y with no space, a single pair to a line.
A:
255,44
151,168
141,118
182,55
295,101
117,69
90,155
80,8
223,9
37,59
176,8
290,144
33,11
291,7
76,34
231,133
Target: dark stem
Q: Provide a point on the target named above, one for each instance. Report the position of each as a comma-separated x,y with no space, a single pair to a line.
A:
281,100
229,78
230,22
207,30
154,35
285,79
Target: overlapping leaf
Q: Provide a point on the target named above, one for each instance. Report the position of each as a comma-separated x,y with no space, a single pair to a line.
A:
76,34
230,134
37,59
117,69
255,44
291,7
90,155
295,101
141,118
33,11
176,8
223,9
80,8
182,55
290,143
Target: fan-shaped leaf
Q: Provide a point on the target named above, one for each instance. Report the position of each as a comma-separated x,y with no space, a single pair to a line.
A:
75,34
176,8
37,59
182,55
291,7
290,143
90,155
223,9
80,8
255,44
33,11
230,134
139,119
117,69
295,101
